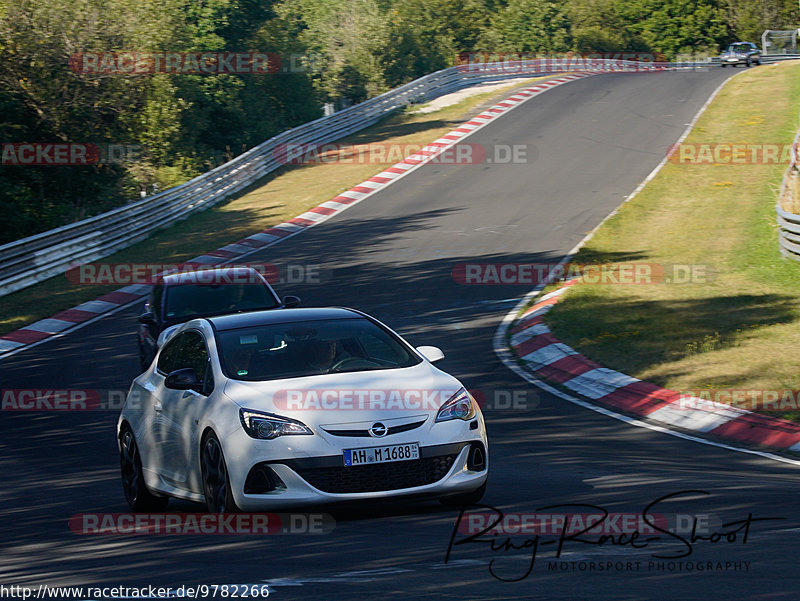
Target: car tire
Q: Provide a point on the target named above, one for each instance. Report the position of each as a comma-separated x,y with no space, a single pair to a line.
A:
464,498
748,64
137,495
214,472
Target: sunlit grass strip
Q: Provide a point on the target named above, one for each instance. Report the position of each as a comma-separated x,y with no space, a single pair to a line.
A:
737,326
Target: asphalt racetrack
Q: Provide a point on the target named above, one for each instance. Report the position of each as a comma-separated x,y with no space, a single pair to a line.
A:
588,144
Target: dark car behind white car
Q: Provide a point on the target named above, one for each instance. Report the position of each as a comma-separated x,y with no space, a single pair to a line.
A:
179,297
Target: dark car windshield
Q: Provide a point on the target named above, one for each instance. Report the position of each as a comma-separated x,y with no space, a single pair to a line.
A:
740,48
290,350
187,301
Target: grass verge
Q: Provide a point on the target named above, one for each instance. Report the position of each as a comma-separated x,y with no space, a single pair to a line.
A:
279,196
735,322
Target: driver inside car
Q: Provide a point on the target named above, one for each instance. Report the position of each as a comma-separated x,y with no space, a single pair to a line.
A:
320,355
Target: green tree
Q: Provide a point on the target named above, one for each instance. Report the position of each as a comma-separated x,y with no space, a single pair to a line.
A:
748,20
601,26
678,26
345,40
428,35
529,26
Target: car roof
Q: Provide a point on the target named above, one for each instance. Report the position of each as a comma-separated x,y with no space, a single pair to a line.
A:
272,316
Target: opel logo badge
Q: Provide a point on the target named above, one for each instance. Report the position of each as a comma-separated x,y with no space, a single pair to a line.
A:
378,430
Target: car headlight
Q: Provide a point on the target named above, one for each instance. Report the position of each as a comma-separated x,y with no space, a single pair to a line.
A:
458,406
267,426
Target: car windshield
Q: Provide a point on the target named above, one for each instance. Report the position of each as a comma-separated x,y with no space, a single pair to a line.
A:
308,348
187,301
739,48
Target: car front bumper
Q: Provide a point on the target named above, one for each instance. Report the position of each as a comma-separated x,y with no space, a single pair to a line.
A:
312,471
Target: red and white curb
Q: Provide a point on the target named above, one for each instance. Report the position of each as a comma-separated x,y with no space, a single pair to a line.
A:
85,313
553,361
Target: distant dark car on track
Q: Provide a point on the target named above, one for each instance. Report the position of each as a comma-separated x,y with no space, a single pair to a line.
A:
180,297
741,53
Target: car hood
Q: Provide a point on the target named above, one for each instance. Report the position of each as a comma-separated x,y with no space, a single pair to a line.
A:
348,398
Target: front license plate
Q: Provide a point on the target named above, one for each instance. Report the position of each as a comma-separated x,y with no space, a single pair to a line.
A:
386,454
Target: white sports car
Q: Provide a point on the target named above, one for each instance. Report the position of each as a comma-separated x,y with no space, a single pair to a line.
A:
268,409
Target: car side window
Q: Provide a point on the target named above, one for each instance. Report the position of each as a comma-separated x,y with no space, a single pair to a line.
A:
166,360
194,355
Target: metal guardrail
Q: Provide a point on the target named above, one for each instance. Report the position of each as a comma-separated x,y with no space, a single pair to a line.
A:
33,259
789,223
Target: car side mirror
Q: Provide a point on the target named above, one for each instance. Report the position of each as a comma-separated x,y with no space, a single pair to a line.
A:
183,379
148,318
431,353
291,301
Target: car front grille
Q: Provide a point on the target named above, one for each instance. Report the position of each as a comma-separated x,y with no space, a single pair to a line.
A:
366,434
378,477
